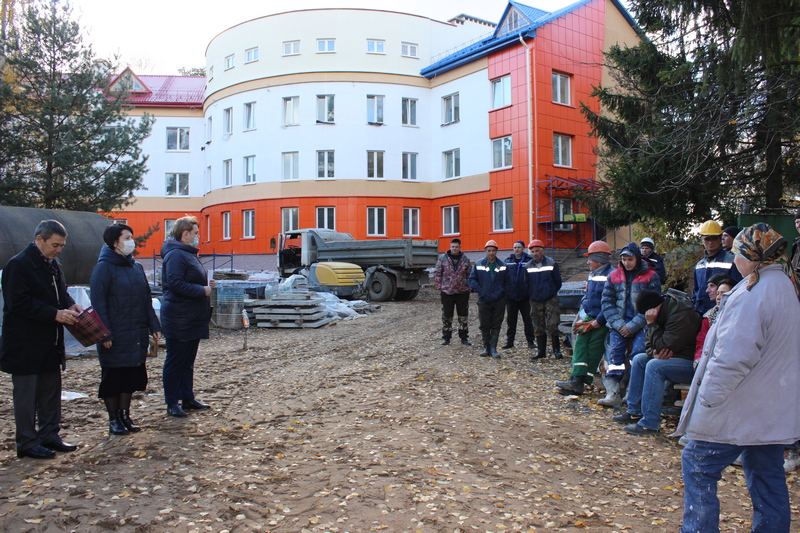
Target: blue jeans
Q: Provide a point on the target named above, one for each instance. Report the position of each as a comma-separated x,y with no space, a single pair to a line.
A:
702,464
618,347
646,387
178,373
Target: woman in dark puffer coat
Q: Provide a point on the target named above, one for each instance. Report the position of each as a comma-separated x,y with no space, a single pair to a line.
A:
121,297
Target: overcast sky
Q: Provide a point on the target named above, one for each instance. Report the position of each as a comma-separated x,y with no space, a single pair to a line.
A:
160,36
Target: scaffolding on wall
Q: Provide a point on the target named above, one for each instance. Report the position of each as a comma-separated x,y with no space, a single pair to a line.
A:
560,221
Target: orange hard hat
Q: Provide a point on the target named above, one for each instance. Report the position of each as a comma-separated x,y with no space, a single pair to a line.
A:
598,246
489,243
535,242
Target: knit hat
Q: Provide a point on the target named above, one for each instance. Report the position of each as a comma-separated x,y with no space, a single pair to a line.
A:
599,257
648,299
759,243
733,231
797,215
520,242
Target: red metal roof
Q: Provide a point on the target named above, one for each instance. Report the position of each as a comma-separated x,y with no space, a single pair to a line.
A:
170,91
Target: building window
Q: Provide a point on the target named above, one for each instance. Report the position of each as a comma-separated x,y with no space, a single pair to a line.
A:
248,223
562,150
227,173
250,169
211,73
326,46
290,217
501,152
229,62
326,217
503,214
250,116
177,184
177,138
208,178
227,121
168,223
563,207
325,109
409,117
374,109
291,48
291,161
452,164
375,164
226,225
376,221
376,47
209,129
325,164
561,88
250,55
411,221
501,92
409,165
450,220
450,109
291,111
408,49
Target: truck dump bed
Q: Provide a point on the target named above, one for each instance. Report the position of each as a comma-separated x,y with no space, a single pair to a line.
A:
398,253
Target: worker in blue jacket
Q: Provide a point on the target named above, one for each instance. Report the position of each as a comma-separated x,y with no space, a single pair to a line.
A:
489,278
519,302
544,282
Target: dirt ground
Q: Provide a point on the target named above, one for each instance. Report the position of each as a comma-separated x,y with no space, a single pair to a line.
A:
365,425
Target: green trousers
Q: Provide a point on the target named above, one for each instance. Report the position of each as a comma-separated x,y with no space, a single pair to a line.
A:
588,352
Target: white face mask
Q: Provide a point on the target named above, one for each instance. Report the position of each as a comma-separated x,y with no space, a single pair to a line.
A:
128,247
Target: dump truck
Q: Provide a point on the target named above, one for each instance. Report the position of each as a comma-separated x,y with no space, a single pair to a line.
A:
389,268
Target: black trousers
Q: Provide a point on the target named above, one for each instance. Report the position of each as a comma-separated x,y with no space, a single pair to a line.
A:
459,303
37,397
523,308
490,318
178,372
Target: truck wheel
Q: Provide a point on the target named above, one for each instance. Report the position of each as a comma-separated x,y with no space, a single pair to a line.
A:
381,287
404,295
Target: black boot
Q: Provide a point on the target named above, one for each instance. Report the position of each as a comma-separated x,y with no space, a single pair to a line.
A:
573,386
556,347
445,341
541,343
115,425
509,343
487,351
125,417
493,340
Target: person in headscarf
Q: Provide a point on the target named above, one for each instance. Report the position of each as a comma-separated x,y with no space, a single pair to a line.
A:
744,397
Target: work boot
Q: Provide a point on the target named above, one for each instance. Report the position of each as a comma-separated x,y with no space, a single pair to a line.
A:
541,342
115,424
531,345
487,351
508,345
495,338
445,341
613,394
465,341
573,386
556,347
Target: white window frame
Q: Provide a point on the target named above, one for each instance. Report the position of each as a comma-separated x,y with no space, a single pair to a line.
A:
209,129
227,173
326,46
503,214
226,225
375,164
562,84
376,46
409,112
181,136
180,181
326,109
168,223
290,219
452,164
326,217
328,169
291,111
227,121
409,50
249,168
209,177
249,116
410,162
411,221
251,55
501,92
291,48
376,221
375,109
249,224
502,153
230,61
290,166
451,109
562,150
451,222
561,207
211,73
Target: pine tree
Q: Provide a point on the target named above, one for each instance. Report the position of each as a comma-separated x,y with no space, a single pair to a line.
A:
69,143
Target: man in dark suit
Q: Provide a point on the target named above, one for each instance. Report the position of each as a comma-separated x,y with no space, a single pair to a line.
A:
36,305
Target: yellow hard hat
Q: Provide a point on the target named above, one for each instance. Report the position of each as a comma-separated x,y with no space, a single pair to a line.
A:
489,243
710,227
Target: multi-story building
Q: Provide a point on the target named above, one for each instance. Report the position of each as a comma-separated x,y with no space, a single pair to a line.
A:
383,125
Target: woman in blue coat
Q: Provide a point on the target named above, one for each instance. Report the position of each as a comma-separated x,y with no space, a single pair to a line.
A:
121,296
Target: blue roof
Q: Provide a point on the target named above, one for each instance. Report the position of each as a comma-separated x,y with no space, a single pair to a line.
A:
535,17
